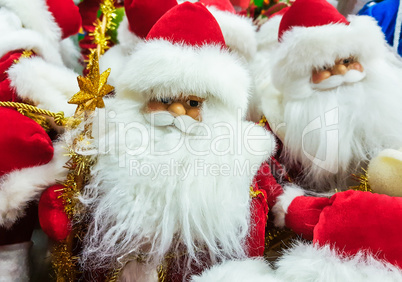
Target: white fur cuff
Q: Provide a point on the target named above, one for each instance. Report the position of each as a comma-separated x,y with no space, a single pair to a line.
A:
280,209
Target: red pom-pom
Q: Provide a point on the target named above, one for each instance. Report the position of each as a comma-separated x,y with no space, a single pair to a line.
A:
52,217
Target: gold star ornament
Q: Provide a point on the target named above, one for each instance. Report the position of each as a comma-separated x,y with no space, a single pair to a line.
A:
93,88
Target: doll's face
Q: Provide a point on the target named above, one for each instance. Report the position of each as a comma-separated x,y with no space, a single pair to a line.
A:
341,67
185,105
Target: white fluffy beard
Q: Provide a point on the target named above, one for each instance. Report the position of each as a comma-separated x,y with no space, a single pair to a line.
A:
332,133
135,212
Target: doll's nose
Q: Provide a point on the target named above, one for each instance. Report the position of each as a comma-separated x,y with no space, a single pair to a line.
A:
177,109
356,66
339,69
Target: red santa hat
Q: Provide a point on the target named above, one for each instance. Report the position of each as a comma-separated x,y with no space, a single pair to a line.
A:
238,31
141,15
313,34
185,52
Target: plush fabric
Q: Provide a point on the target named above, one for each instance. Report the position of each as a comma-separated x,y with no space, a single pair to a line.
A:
303,13
259,213
304,213
52,217
67,16
356,221
266,182
142,15
6,92
351,221
26,143
203,28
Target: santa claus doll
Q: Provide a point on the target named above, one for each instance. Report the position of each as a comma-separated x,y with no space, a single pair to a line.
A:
339,107
340,91
34,52
165,197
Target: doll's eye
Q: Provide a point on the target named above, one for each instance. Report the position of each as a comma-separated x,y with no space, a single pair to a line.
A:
193,103
348,60
324,68
165,100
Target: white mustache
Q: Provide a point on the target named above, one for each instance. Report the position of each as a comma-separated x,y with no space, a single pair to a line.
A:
351,76
184,123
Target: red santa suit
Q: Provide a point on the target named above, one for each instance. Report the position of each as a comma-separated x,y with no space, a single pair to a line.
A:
32,71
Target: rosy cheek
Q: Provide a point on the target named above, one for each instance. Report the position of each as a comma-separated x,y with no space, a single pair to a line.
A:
356,66
156,107
194,113
319,76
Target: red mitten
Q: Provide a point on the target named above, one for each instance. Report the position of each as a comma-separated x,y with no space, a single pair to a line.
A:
356,221
23,144
52,217
352,221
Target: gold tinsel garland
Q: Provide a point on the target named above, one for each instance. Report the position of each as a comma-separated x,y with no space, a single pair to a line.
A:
93,88
363,182
101,39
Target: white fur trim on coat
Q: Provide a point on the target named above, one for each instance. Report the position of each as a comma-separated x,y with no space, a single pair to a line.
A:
159,68
306,48
20,187
14,262
305,262
280,209
238,31
35,15
29,40
255,270
47,85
